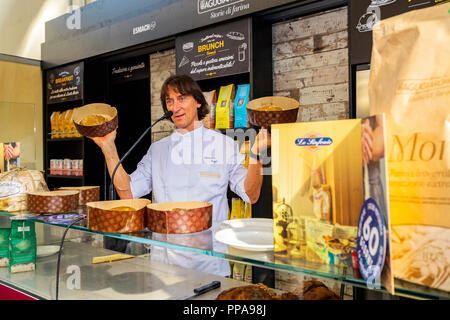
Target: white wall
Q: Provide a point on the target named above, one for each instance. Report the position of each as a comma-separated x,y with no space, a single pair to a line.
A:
23,24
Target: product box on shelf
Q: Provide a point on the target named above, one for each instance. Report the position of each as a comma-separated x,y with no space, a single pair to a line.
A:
68,124
210,119
74,130
323,174
54,122
225,107
61,124
240,106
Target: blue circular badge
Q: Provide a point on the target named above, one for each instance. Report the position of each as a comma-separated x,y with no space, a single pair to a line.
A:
371,240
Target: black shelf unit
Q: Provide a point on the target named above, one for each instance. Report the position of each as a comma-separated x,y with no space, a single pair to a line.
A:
70,148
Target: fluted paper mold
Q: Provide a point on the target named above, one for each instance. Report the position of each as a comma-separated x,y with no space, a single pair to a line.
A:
52,201
262,118
99,130
103,217
87,193
179,217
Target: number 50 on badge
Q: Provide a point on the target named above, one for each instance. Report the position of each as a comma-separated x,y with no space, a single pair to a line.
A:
371,241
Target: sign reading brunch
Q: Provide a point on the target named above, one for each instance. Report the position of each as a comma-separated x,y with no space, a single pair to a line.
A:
214,52
65,83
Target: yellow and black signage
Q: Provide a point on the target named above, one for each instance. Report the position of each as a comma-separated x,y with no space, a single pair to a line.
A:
65,83
214,52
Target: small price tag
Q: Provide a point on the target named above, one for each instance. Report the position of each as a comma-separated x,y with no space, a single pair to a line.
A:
371,240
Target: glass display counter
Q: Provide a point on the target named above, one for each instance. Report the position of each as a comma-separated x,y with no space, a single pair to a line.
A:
81,246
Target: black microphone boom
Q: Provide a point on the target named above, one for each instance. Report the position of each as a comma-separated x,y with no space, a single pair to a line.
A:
167,115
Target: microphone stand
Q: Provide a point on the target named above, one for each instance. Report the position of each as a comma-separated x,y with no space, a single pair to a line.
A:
112,195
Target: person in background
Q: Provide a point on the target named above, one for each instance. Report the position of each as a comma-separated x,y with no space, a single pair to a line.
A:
192,164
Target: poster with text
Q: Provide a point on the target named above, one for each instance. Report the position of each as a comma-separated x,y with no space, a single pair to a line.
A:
214,52
65,83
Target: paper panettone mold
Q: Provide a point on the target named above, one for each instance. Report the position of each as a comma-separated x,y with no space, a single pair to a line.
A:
179,217
59,201
263,118
117,216
100,110
87,193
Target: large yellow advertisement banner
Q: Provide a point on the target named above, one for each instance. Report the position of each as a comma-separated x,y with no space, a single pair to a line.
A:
322,174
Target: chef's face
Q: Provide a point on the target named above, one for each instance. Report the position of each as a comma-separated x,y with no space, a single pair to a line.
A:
184,108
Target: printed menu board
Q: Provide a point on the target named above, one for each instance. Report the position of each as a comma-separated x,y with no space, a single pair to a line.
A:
214,52
65,83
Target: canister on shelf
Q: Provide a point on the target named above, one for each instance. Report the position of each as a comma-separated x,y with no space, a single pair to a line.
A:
76,167
52,166
58,169
80,166
67,166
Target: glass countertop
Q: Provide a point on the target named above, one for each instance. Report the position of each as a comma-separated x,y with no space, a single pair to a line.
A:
204,243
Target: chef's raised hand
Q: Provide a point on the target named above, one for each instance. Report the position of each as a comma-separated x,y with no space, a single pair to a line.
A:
107,141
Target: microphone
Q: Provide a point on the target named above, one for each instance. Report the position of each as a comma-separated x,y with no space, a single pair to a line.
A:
167,115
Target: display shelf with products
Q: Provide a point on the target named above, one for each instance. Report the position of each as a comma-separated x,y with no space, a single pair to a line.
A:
202,242
69,150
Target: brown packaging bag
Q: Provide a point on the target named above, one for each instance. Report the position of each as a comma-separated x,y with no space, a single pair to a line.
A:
54,118
211,99
410,81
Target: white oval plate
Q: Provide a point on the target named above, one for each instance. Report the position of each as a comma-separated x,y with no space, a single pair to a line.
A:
254,234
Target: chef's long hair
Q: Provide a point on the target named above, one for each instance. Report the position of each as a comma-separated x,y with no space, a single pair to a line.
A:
185,85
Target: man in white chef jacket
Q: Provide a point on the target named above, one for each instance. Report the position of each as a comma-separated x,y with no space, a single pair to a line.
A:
192,164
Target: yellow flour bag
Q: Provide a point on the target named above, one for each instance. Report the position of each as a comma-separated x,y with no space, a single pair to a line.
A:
410,82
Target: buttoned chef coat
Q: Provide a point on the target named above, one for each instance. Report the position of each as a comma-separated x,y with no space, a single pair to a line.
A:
194,166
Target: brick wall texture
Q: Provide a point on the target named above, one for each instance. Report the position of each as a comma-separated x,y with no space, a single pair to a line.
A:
310,63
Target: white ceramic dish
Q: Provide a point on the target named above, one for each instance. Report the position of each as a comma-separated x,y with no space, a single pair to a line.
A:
254,234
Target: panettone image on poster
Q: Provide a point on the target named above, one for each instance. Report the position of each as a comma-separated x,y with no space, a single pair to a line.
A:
320,180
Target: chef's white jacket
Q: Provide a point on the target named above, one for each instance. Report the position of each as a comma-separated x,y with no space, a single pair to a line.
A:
194,166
